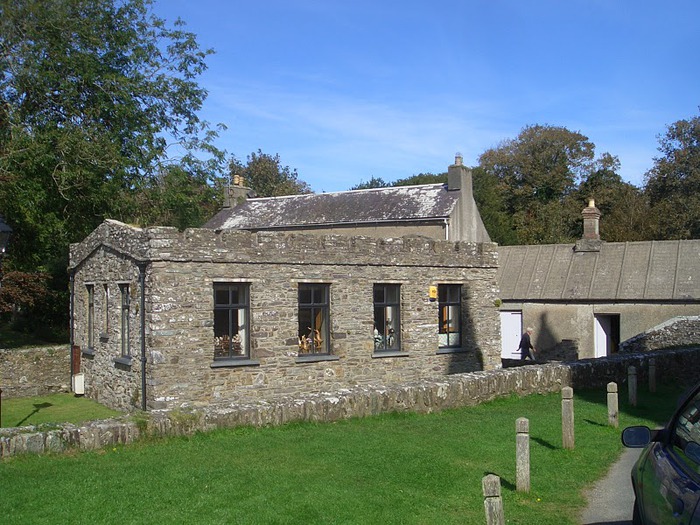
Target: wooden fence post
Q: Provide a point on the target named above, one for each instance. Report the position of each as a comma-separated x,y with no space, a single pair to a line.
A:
493,504
652,375
632,385
613,411
522,455
567,417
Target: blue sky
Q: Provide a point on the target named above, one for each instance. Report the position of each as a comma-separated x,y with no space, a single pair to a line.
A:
348,90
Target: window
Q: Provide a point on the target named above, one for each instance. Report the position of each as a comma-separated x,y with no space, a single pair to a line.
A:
449,301
231,321
90,316
685,434
387,317
106,311
314,313
124,325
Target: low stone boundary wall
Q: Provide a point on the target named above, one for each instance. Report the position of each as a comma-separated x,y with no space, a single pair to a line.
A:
676,332
680,365
28,372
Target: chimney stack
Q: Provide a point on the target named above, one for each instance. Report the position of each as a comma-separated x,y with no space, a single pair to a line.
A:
458,176
237,192
591,221
590,242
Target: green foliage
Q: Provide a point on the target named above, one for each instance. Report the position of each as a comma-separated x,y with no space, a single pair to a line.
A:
490,200
91,92
673,184
266,176
177,197
422,178
624,209
532,180
374,182
397,468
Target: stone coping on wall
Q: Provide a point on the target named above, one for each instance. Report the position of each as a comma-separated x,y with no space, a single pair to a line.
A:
452,391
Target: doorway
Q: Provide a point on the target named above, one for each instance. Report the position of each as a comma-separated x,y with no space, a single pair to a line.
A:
607,334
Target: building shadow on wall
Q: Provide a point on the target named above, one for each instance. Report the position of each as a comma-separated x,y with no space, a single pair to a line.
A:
470,358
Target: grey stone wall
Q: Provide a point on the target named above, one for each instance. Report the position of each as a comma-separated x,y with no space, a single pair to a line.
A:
680,366
181,269
27,372
679,331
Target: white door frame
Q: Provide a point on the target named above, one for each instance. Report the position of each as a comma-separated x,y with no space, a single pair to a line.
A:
603,335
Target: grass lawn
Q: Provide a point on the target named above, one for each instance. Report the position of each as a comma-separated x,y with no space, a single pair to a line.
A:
56,408
397,468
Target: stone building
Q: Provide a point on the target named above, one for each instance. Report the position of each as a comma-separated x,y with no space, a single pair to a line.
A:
584,299
166,319
439,211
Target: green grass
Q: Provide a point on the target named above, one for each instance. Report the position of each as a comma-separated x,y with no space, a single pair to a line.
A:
397,468
56,408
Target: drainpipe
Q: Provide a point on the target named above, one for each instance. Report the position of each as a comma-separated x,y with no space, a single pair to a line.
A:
72,322
142,277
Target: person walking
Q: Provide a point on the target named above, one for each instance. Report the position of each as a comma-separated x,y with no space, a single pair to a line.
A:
526,348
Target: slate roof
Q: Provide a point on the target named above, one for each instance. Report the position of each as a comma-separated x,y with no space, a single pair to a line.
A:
378,205
629,271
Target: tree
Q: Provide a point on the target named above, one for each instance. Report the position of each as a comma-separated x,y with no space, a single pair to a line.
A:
623,207
177,197
490,201
265,175
673,184
422,178
374,182
537,173
95,95
90,89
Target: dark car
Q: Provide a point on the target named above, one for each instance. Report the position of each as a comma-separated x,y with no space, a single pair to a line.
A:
666,477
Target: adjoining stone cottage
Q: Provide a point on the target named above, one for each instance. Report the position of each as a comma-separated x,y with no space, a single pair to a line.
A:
167,319
586,299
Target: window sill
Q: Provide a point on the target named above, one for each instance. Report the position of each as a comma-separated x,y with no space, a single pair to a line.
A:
88,352
123,361
232,363
316,358
455,350
388,353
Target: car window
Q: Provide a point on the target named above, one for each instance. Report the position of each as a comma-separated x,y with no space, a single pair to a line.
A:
686,433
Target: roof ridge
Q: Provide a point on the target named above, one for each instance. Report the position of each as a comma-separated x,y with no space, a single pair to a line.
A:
384,188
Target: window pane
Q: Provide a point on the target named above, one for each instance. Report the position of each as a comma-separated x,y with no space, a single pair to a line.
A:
392,328
686,434
304,295
392,294
222,335
221,296
124,331
378,294
91,316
